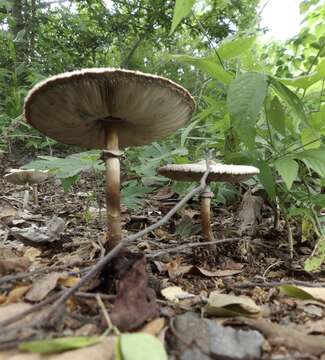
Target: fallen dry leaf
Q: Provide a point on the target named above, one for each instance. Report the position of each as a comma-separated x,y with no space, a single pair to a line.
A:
17,264
42,286
135,302
175,293
218,273
17,293
230,305
68,281
154,327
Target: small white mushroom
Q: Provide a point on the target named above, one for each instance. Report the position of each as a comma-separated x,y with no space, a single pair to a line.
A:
218,172
27,177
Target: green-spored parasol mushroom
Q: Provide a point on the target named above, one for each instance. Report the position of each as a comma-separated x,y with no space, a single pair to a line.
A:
218,172
27,177
108,109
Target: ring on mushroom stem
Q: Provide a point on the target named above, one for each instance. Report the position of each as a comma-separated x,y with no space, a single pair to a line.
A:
218,172
108,109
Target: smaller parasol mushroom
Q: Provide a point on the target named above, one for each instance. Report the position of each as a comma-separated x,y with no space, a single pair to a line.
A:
27,178
218,172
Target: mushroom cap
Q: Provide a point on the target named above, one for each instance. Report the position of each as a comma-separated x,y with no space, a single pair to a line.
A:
22,177
218,172
77,107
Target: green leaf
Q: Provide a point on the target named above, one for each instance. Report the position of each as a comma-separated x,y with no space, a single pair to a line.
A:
59,344
186,131
288,169
310,138
292,100
233,46
276,116
209,65
141,346
245,98
266,178
295,292
307,80
68,182
132,195
314,262
181,10
314,159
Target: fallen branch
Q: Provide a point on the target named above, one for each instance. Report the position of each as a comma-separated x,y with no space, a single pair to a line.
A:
111,254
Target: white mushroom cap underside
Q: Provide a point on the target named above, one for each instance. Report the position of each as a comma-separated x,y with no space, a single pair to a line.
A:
72,107
218,172
22,177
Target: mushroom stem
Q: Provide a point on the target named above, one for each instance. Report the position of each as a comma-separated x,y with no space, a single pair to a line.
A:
35,194
26,198
206,197
113,187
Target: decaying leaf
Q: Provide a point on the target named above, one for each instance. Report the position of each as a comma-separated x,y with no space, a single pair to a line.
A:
175,293
36,235
250,212
218,273
42,286
230,305
135,302
154,327
16,264
17,293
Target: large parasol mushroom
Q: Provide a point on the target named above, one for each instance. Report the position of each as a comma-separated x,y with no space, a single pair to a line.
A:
218,172
108,109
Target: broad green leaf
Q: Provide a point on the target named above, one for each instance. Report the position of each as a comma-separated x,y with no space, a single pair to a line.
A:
141,346
68,182
132,194
294,291
310,138
292,100
276,116
181,10
314,158
288,169
245,98
266,178
59,344
209,65
233,46
307,80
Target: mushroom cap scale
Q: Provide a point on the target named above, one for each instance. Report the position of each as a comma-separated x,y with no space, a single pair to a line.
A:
77,107
218,172
22,177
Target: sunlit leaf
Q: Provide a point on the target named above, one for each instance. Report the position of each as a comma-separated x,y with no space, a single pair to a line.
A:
275,115
314,158
266,178
141,346
233,46
182,9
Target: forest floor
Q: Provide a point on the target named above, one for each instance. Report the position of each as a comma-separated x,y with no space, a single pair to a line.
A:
201,302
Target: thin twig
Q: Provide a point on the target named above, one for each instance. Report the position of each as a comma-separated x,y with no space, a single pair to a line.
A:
192,245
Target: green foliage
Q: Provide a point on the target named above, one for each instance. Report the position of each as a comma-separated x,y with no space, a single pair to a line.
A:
182,10
59,344
140,346
315,261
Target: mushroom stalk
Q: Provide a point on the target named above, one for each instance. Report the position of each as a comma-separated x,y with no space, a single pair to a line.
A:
26,198
205,198
35,194
113,187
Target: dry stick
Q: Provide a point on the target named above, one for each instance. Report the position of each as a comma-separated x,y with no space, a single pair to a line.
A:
191,245
103,261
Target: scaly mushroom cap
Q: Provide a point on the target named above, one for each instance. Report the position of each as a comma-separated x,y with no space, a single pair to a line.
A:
76,107
22,177
218,172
